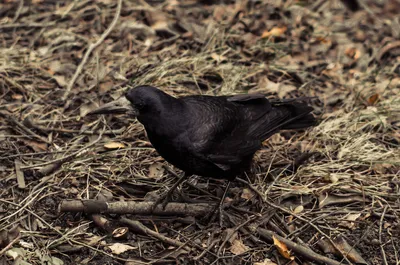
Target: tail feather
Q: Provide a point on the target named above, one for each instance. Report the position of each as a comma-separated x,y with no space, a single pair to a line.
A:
301,116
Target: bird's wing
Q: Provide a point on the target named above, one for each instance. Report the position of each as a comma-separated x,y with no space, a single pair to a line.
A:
227,130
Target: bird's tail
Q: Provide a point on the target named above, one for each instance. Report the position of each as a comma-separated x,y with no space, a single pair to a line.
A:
300,117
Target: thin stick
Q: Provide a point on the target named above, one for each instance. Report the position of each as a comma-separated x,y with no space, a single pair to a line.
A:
299,249
92,46
139,227
380,236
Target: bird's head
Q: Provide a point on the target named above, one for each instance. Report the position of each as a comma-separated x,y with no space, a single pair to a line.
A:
139,101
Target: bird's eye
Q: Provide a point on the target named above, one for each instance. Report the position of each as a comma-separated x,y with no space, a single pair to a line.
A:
139,105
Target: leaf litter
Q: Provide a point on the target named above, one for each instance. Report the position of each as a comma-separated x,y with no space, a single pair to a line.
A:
343,199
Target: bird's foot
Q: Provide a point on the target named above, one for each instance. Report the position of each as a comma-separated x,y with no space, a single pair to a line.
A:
166,197
216,213
163,200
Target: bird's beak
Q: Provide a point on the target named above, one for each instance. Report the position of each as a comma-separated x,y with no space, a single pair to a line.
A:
119,106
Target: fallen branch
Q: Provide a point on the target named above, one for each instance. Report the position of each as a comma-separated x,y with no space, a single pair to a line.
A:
132,207
297,248
91,47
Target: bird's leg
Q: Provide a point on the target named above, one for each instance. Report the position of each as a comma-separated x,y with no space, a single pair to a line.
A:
221,203
218,208
165,198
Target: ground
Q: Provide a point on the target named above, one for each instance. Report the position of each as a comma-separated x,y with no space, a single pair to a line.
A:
61,59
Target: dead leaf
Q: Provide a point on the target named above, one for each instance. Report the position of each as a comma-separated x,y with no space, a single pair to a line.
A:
247,194
157,20
325,199
60,80
20,174
265,262
36,146
118,248
16,252
341,246
218,58
324,40
105,86
114,145
373,99
334,178
16,96
219,12
156,170
280,88
86,108
353,53
238,247
282,248
349,220
274,32
93,240
298,209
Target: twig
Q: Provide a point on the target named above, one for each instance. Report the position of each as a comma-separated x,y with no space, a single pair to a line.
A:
303,251
23,127
228,237
20,6
139,227
386,49
380,236
313,225
27,25
9,245
92,46
31,124
56,163
252,188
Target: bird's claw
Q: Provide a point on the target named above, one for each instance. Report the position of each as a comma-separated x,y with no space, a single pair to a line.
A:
163,200
217,212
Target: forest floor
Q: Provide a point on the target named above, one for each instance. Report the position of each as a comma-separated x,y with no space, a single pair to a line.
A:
61,59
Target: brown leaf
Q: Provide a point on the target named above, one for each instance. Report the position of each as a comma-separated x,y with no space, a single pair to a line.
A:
114,145
274,32
36,146
238,247
16,96
282,248
105,86
353,53
373,99
156,170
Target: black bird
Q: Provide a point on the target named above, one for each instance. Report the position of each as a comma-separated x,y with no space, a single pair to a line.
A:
210,136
